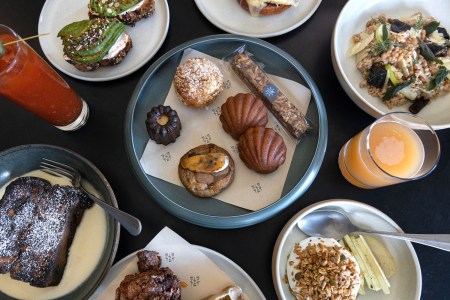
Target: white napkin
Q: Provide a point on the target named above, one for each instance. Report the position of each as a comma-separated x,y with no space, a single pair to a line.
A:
249,189
200,276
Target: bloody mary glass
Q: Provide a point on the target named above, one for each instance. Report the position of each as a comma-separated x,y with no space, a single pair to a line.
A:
27,80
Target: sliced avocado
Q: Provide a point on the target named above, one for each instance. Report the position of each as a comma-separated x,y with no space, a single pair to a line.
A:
111,8
88,41
74,29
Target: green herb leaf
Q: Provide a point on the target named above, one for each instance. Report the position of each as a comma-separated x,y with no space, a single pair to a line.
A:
427,53
438,79
2,49
418,25
431,27
395,89
379,48
385,32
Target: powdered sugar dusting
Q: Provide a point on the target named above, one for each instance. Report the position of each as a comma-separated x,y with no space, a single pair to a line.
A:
198,81
39,222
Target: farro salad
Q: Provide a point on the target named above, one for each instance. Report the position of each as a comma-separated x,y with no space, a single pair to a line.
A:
403,61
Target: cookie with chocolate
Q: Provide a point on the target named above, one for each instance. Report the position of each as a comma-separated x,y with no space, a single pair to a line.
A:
206,170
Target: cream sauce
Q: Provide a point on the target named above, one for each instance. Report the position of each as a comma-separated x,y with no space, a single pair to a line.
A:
118,46
84,254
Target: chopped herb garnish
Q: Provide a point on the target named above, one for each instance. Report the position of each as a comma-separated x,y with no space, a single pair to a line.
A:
427,53
395,89
418,25
431,27
383,42
379,48
385,32
438,79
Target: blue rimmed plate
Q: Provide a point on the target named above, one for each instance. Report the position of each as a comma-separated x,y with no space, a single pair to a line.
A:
152,90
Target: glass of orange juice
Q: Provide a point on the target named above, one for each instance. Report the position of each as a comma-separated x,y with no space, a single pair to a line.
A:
397,147
27,80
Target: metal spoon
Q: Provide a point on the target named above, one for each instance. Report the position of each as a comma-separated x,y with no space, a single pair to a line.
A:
334,224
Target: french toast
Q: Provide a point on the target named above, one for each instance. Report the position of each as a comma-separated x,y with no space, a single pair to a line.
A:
38,222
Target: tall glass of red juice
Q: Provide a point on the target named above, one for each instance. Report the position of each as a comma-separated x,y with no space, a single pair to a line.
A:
27,80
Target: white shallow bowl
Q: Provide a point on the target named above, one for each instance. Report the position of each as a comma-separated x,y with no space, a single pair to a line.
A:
351,20
406,283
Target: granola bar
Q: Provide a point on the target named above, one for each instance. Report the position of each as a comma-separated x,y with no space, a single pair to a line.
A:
260,84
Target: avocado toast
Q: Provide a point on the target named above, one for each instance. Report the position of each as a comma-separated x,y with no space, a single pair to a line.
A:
126,11
89,44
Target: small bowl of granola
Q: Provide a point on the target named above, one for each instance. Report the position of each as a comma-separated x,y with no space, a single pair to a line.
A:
395,56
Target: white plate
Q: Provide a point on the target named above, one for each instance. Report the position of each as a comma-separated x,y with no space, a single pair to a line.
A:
351,20
229,16
147,36
228,266
405,284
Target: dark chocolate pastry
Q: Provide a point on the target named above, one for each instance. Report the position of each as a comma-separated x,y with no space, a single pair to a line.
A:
163,124
155,282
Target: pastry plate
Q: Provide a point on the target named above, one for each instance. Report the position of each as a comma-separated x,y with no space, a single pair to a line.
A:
236,273
56,14
352,20
23,159
152,90
405,284
229,16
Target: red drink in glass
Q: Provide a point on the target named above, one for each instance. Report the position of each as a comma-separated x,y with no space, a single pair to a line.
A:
27,80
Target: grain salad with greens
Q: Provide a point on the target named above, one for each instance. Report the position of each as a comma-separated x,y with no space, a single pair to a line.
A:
403,61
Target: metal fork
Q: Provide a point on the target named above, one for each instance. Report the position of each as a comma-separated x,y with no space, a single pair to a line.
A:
130,223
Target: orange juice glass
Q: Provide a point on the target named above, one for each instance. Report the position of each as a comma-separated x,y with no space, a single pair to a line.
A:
27,80
397,147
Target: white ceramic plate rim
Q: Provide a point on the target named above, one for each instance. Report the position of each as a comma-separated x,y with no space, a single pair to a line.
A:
278,278
236,273
147,36
349,77
230,17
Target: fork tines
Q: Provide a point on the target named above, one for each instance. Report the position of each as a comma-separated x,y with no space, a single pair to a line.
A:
55,168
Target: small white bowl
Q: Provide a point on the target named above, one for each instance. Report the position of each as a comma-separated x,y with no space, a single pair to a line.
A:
351,20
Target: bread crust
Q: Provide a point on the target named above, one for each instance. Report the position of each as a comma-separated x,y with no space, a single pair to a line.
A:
269,9
221,181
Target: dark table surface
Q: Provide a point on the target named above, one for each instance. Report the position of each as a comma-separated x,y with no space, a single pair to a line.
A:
417,207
